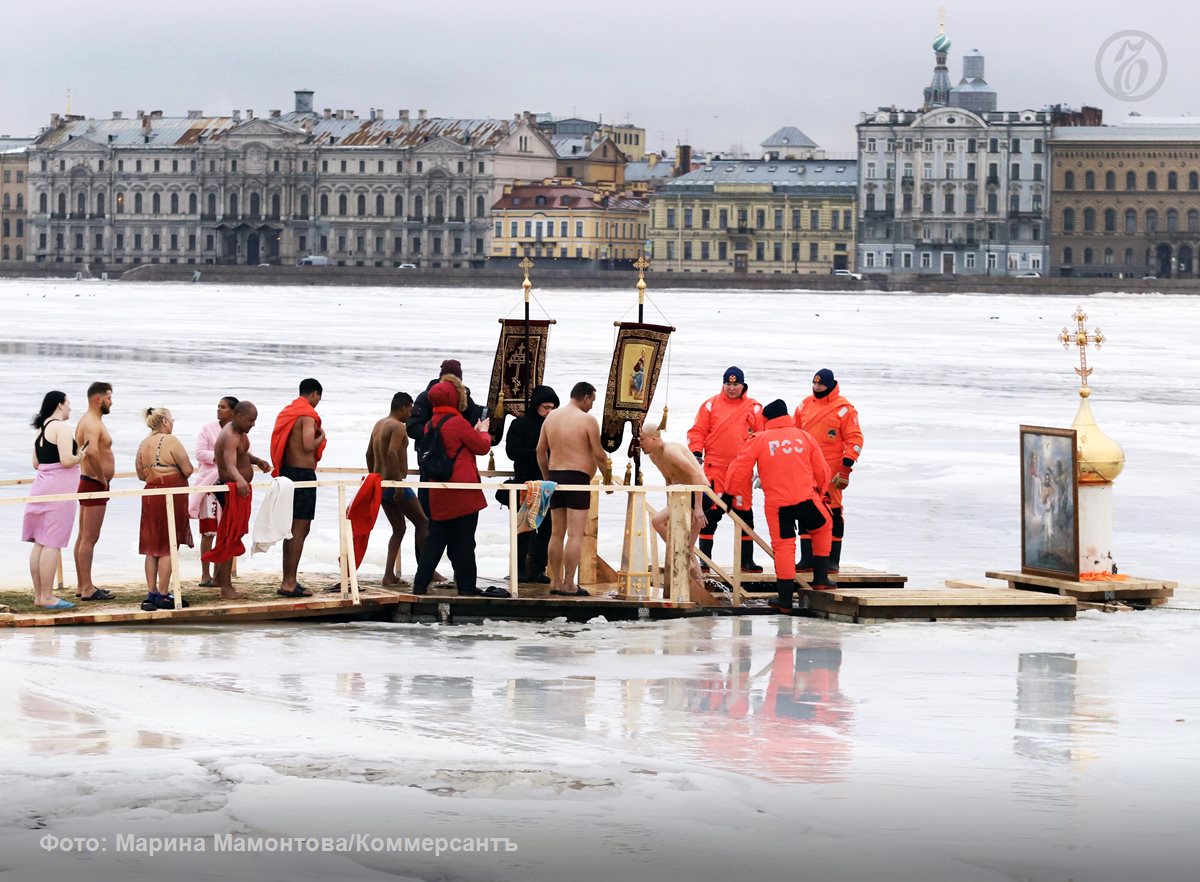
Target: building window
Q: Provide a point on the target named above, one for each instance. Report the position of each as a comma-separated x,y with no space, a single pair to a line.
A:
670,218
926,260
723,219
1172,181
1151,180
704,251
722,250
949,203
705,218
1130,220
813,251
1087,256
1151,221
1110,220
1089,180
1110,180
499,229
1069,181
814,219
687,250
869,260
906,260
687,218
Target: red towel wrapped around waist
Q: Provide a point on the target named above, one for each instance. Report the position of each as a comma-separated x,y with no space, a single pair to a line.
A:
235,523
363,512
284,423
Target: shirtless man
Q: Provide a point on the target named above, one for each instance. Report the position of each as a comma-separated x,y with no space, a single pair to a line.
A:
387,456
95,476
678,466
300,464
569,452
234,465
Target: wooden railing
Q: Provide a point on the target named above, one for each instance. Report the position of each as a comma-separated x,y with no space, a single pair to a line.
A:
675,573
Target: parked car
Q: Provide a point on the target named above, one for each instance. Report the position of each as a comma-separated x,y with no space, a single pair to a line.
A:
846,274
313,260
1150,278
1029,275
406,266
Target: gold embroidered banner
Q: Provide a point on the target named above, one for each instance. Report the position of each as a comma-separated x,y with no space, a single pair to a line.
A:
637,362
516,370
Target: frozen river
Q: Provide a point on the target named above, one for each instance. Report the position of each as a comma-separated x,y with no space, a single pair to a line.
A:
715,749
941,385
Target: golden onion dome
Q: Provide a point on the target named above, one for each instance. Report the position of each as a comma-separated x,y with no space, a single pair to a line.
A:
1101,458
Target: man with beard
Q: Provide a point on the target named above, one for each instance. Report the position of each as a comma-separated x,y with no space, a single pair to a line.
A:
95,476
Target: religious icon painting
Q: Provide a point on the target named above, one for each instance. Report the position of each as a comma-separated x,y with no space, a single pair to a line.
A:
1049,502
637,362
517,369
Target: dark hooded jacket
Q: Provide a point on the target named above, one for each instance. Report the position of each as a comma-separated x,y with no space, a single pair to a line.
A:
422,409
521,444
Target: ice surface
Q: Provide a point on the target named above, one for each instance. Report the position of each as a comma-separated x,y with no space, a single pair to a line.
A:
713,749
941,384
692,750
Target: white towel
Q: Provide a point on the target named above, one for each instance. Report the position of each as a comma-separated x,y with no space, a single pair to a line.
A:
274,521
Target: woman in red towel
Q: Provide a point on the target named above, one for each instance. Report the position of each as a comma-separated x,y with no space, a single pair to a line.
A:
162,462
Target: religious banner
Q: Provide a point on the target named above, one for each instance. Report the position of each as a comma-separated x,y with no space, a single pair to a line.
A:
637,361
516,370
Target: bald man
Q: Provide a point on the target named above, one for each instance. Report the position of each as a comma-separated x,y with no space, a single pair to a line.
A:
678,466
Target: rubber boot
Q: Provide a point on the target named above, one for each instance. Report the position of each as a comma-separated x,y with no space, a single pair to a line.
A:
805,564
820,579
835,557
748,564
786,590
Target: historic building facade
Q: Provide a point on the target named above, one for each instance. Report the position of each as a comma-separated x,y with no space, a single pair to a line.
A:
957,187
1126,200
562,220
363,192
756,216
14,191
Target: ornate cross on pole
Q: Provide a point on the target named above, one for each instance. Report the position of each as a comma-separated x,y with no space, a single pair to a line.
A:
526,265
1081,337
641,265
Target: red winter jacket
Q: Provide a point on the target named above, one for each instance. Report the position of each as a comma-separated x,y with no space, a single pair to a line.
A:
790,465
463,444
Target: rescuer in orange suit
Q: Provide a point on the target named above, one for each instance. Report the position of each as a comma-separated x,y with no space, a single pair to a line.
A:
833,421
723,424
794,476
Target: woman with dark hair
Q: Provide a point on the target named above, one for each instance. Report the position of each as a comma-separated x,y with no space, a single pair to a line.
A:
161,462
48,524
202,507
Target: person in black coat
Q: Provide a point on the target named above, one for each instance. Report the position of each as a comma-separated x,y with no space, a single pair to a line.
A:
521,447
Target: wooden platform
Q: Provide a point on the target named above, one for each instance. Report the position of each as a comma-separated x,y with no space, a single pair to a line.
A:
850,577
867,605
1138,592
375,603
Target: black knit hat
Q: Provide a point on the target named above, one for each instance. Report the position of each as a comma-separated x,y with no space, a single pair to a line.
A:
776,408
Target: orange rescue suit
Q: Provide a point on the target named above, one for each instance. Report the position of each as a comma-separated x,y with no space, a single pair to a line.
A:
833,422
792,471
720,432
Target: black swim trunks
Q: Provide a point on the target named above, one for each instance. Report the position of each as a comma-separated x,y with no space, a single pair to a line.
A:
304,502
575,499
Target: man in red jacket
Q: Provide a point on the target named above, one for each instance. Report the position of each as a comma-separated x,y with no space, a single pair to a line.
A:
833,421
794,476
454,514
723,424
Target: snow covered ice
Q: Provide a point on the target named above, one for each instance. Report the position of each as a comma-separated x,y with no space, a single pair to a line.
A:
706,749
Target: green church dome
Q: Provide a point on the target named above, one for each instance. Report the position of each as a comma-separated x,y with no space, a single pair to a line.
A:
941,43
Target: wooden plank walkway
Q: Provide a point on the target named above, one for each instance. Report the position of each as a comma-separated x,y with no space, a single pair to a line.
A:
850,577
866,605
1146,592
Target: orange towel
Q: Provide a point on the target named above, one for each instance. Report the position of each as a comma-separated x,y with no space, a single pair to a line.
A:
235,523
363,512
1102,577
283,428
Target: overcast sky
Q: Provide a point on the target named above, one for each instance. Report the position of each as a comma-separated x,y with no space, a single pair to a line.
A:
704,72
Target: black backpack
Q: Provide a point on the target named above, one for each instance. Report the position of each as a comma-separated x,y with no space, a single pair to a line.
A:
435,462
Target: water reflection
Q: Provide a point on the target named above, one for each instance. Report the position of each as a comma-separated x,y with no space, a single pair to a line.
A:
1055,716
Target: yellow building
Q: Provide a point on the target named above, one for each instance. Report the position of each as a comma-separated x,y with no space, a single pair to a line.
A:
592,161
562,220
14,196
757,216
630,139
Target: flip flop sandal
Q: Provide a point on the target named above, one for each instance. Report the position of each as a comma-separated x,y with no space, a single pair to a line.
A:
496,591
298,592
578,592
100,594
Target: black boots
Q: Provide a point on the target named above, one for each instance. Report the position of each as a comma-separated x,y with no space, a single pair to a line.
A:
786,590
820,579
835,557
805,564
748,564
